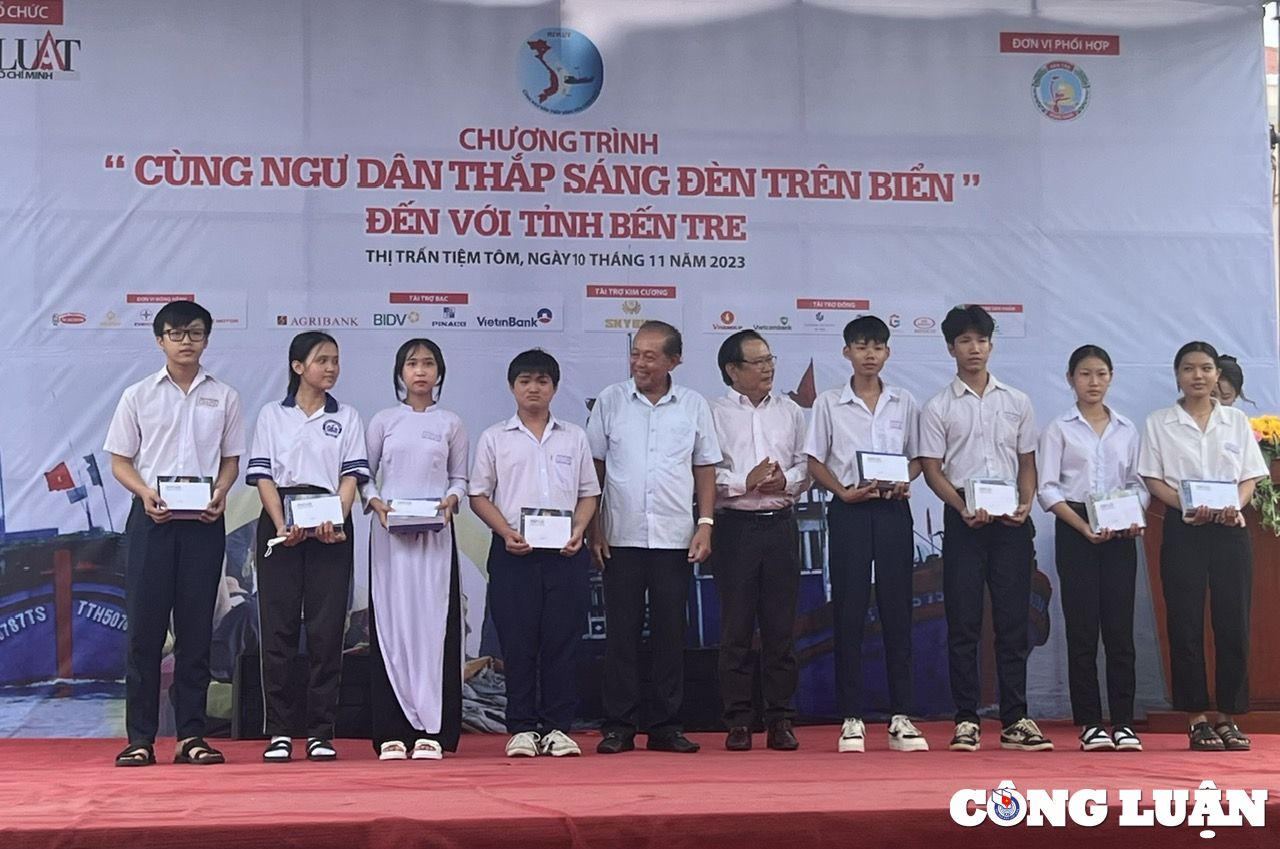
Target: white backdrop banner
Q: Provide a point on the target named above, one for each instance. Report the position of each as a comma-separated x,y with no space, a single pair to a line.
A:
554,174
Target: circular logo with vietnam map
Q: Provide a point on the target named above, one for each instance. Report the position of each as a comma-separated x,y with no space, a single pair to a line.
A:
1061,90
559,70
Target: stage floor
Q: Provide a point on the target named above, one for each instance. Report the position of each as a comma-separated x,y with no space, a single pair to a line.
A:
66,794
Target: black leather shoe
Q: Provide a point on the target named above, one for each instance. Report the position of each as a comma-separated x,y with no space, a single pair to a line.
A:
676,742
739,739
782,738
613,743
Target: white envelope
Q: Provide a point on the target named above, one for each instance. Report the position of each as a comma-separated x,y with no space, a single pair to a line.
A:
414,515
997,496
1116,511
186,497
888,469
542,529
312,511
1216,495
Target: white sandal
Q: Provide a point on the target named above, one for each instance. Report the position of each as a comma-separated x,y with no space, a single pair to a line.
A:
392,750
427,750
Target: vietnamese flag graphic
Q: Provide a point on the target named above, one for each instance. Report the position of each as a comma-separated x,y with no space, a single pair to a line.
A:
59,478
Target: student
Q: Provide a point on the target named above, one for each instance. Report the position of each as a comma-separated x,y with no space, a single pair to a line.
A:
867,524
1230,385
180,421
307,444
1200,439
415,638
539,596
979,427
655,448
1093,450
757,566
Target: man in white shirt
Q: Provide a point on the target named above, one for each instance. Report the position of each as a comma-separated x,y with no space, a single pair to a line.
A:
655,447
179,422
978,427
869,521
757,562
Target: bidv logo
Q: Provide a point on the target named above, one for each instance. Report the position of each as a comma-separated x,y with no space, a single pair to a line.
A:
332,428
1060,90
559,70
43,58
395,319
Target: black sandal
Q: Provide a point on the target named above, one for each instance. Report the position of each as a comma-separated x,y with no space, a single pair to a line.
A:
137,754
315,744
278,751
1231,737
1204,739
194,750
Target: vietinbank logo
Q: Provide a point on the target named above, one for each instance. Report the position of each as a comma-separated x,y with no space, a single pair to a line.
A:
541,318
1209,807
559,70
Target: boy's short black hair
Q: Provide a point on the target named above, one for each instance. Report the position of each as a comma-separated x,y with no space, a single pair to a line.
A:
969,318
534,361
866,328
731,352
180,314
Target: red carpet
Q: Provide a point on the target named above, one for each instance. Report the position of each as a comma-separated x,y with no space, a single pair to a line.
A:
66,794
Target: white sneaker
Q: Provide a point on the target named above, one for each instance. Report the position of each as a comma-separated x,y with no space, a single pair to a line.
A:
968,737
852,736
558,745
392,750
904,736
1094,738
523,745
426,750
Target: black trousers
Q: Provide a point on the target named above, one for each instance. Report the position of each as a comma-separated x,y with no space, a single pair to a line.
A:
1222,558
997,558
665,574
1098,584
171,569
539,604
757,576
316,578
859,534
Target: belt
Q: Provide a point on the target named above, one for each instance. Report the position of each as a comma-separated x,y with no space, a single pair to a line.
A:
780,513
303,490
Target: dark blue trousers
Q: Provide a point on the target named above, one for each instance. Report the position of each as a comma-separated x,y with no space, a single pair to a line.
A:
539,603
995,558
171,568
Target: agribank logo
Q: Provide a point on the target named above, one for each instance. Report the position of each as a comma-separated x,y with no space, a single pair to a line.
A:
559,71
1060,90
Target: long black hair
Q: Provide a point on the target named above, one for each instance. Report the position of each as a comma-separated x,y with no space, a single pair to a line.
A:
300,348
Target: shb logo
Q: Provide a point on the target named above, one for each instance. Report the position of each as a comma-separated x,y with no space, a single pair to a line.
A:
630,307
44,58
1060,90
559,70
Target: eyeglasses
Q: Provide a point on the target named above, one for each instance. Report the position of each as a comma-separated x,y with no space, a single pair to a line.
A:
761,362
195,334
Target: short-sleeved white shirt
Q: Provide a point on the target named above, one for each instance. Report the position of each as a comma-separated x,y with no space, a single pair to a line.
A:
166,431
515,469
748,433
1174,448
842,425
977,436
1073,461
294,449
649,451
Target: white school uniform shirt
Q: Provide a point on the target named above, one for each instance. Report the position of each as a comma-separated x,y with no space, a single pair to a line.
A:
1074,461
166,431
842,425
748,433
515,469
1174,449
977,436
294,449
421,454
649,451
